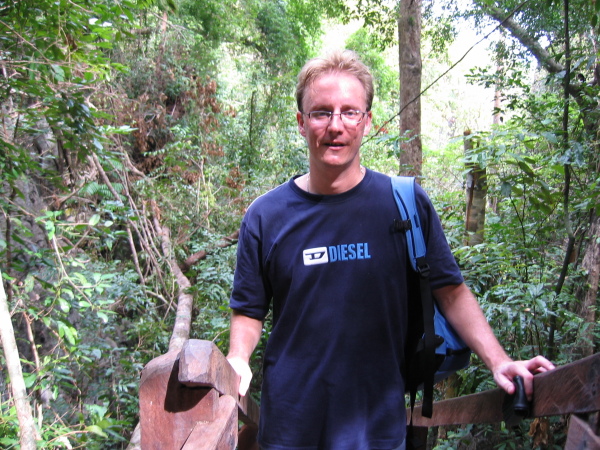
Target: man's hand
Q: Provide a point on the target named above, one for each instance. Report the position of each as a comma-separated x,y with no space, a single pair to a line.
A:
242,368
244,335
505,373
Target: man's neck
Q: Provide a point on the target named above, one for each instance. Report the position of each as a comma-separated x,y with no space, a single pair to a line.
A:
330,182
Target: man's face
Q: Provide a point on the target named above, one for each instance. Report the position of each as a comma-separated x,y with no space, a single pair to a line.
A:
334,144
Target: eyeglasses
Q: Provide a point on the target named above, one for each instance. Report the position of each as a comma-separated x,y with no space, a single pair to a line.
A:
351,117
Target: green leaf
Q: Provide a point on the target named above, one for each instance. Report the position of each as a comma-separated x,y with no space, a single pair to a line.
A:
29,283
68,332
64,305
81,278
94,220
96,430
59,73
29,379
525,168
551,137
103,44
50,229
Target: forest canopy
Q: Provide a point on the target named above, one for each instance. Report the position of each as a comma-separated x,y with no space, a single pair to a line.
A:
135,133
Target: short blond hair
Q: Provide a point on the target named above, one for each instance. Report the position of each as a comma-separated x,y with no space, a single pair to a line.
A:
337,61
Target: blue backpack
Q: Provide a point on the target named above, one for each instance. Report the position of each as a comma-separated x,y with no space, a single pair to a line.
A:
434,350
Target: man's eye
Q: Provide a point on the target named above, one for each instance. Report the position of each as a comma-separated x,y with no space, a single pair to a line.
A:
321,114
350,114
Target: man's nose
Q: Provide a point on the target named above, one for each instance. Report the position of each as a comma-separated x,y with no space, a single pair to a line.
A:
336,122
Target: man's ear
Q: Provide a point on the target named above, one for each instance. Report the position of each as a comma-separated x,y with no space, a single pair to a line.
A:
300,119
368,123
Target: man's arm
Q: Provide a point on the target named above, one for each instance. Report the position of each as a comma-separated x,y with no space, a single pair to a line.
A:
460,307
244,335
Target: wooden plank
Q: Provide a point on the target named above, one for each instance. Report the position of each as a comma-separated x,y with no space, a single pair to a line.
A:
220,434
579,385
247,438
574,388
169,411
484,407
581,435
202,364
249,411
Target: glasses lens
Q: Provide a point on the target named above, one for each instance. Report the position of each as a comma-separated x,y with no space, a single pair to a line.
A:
320,117
348,117
352,117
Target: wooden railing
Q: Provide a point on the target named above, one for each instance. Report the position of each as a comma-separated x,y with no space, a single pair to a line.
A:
573,389
188,400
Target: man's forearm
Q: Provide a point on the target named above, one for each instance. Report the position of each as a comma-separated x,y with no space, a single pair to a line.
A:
244,336
462,310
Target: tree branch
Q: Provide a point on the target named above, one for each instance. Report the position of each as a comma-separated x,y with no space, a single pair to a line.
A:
199,256
28,433
185,301
545,59
523,36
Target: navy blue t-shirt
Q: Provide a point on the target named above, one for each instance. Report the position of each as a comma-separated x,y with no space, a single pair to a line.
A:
334,272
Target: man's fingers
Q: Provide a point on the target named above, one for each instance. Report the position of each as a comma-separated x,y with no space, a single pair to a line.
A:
244,384
539,364
509,387
242,368
505,374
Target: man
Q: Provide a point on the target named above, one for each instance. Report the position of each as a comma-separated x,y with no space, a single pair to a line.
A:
322,249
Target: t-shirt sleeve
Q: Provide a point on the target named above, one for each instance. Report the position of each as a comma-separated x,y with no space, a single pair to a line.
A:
443,266
250,295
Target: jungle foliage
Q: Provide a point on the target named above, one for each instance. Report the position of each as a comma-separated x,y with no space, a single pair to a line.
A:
135,133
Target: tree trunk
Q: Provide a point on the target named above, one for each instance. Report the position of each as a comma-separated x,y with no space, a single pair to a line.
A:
588,294
476,198
28,433
409,38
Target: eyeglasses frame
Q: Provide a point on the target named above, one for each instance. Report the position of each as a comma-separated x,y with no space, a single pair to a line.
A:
341,114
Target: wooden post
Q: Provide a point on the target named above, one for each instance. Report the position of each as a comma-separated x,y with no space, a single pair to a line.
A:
204,365
169,410
189,400
583,434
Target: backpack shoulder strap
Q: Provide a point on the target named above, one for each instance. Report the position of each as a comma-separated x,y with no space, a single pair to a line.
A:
404,194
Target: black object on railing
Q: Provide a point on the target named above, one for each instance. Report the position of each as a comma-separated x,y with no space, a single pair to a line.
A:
516,406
